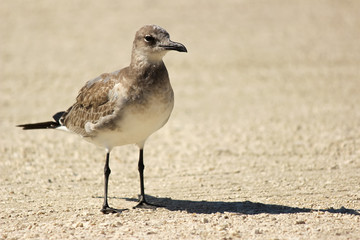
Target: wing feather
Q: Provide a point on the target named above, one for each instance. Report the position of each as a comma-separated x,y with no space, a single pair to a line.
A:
92,104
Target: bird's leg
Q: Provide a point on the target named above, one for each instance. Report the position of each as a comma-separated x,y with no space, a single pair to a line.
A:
107,172
106,209
142,201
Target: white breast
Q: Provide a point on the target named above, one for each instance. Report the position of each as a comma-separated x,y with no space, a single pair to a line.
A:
136,124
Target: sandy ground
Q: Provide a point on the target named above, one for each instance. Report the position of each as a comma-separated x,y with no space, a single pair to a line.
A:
263,142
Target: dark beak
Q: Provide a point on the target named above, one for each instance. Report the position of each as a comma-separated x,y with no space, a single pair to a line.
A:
174,46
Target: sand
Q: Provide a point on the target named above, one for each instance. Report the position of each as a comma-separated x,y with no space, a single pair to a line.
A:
263,142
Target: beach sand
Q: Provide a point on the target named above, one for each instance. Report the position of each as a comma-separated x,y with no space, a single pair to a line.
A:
263,142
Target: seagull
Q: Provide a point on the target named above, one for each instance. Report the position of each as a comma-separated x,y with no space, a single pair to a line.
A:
125,106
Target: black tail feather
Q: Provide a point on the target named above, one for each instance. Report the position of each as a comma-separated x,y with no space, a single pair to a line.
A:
57,116
44,125
41,125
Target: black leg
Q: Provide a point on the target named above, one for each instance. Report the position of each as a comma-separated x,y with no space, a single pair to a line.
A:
141,173
142,201
106,209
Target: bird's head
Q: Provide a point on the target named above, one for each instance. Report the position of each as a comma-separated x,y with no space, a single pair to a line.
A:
152,42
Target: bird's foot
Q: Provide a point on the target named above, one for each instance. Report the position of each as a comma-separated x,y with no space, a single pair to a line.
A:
145,205
107,210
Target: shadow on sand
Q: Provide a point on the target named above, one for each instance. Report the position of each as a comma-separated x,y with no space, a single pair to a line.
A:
247,207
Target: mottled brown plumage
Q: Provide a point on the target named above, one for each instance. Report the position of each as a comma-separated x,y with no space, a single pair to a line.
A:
91,105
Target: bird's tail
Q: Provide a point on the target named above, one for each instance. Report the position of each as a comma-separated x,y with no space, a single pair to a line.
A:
40,125
44,125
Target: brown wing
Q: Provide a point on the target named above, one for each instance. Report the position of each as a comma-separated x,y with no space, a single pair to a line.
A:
92,103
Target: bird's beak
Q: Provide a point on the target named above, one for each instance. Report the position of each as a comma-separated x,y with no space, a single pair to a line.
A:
174,46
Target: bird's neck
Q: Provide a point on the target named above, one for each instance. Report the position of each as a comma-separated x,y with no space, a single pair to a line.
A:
143,68
144,75
140,59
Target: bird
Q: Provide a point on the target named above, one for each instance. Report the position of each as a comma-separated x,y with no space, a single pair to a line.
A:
125,106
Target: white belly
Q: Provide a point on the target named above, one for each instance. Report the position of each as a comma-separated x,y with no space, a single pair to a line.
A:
135,125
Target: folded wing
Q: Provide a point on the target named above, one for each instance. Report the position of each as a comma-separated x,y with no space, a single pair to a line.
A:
93,103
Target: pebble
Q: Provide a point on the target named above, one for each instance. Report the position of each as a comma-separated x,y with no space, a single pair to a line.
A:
117,224
80,224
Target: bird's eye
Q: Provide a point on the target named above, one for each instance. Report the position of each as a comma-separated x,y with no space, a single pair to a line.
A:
149,38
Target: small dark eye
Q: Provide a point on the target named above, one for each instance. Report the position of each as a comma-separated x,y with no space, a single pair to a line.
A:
149,38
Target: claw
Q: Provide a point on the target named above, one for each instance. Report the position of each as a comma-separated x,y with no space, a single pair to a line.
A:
145,205
107,210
